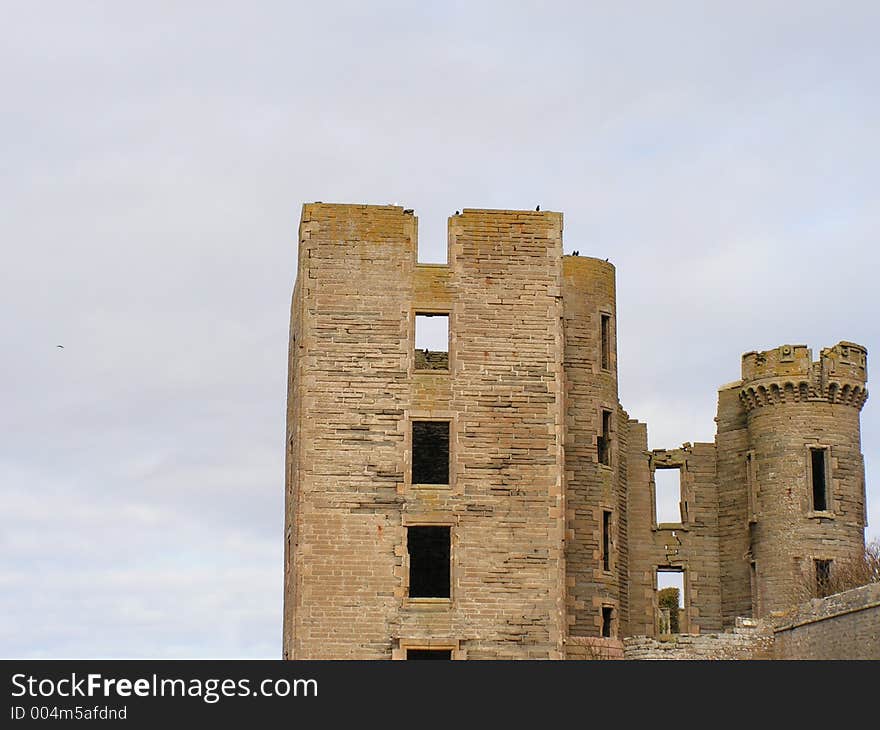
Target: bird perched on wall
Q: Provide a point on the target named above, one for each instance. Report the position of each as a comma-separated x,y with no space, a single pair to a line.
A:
458,212
408,211
537,207
575,253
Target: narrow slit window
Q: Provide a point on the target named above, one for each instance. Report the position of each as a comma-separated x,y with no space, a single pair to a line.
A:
752,486
667,496
819,469
607,622
823,578
606,540
432,341
606,341
441,654
430,452
429,559
603,442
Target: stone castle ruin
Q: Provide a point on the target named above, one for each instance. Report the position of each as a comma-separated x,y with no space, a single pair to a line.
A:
493,499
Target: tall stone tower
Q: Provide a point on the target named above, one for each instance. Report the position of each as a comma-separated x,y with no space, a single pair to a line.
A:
804,471
425,512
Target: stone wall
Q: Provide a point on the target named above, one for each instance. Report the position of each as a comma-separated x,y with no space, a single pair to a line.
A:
356,386
734,520
843,626
591,487
742,643
592,648
349,392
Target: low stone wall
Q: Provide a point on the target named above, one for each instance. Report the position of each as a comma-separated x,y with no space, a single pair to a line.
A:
585,647
744,642
842,626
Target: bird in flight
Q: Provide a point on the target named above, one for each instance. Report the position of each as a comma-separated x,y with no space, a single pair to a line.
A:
61,346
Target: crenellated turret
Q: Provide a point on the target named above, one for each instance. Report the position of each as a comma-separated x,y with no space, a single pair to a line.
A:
804,471
788,374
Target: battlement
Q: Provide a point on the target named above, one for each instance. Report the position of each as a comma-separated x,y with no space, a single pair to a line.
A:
788,374
846,360
794,361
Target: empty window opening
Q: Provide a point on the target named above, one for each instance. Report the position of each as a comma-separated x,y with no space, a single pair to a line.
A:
429,654
603,442
432,341
432,234
606,342
607,622
429,556
823,578
667,496
670,601
818,466
430,452
606,540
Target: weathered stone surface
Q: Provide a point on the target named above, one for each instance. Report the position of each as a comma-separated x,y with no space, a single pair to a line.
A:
843,626
749,644
550,497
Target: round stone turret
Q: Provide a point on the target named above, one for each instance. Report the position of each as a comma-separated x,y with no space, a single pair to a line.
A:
805,469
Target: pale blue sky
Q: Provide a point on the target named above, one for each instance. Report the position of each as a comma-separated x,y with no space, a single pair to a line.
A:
155,159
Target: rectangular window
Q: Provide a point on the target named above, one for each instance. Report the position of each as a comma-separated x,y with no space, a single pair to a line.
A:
819,471
607,622
430,452
606,540
432,341
429,548
606,341
603,441
670,601
429,654
667,496
823,578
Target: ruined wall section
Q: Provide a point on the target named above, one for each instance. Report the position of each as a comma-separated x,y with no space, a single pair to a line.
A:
743,643
506,399
690,546
348,395
593,487
734,516
794,404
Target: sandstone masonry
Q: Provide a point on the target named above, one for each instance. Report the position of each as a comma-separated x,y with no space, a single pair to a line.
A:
494,500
